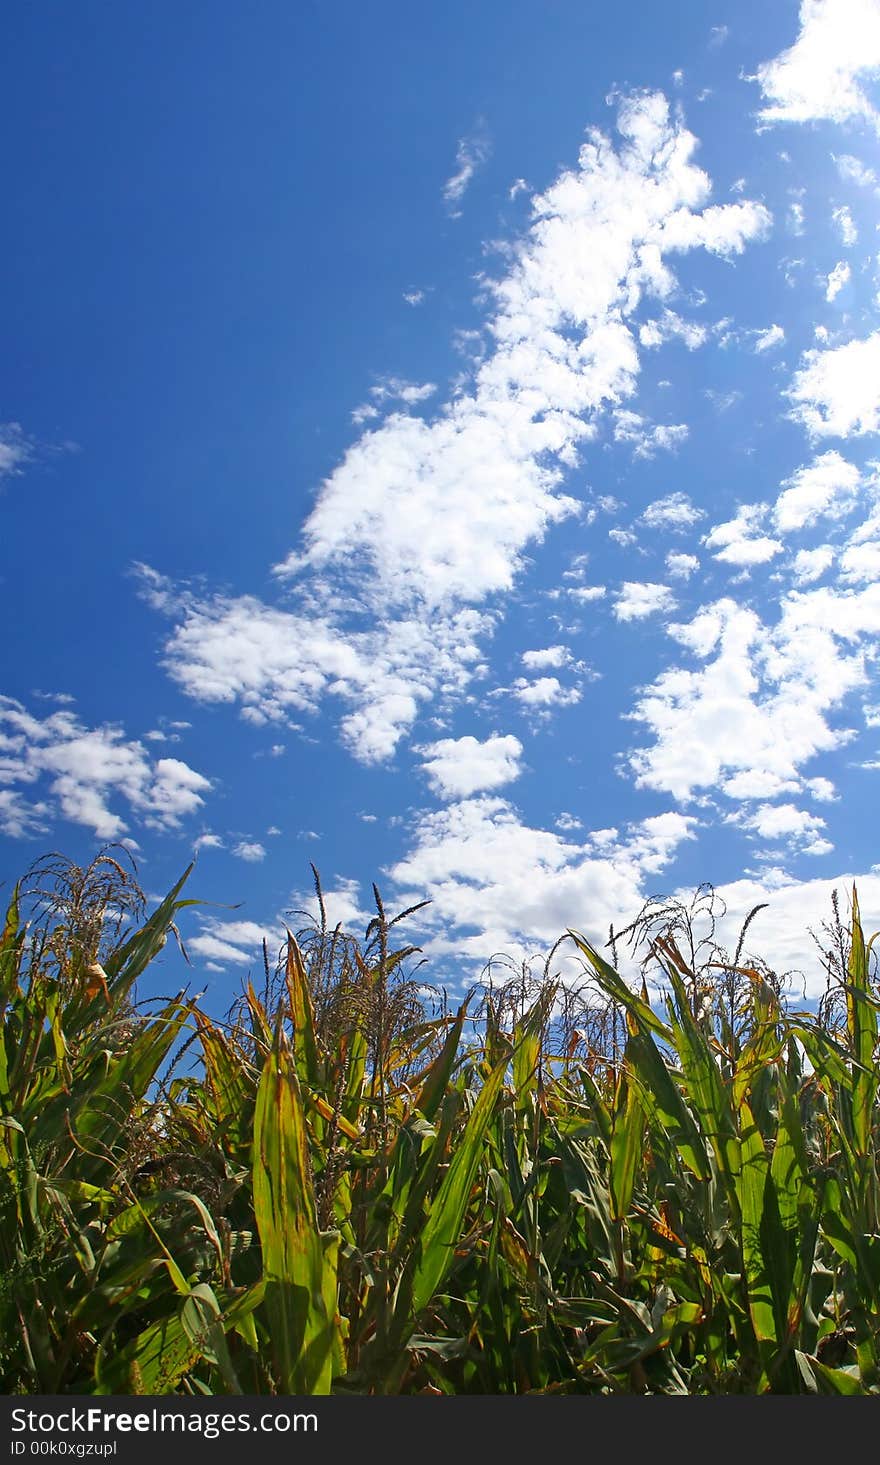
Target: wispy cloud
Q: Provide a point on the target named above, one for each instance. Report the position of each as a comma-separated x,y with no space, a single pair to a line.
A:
837,279
766,340
16,450
472,152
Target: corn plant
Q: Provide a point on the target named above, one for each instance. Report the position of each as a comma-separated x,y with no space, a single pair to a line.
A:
550,1189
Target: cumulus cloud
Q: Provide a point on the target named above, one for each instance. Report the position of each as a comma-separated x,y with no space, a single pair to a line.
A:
820,77
456,768
636,600
519,886
79,770
738,542
827,488
544,693
799,830
681,566
208,841
761,704
836,392
811,564
675,512
500,885
250,850
861,562
546,656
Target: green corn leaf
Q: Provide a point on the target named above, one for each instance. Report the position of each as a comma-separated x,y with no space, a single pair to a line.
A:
437,1080
305,1051
527,1046
862,1026
295,1263
617,988
664,1104
628,1124
447,1210
751,1185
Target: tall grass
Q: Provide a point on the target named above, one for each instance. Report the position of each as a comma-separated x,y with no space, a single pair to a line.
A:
337,1189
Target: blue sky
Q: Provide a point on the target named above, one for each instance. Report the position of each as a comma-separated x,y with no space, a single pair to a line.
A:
440,443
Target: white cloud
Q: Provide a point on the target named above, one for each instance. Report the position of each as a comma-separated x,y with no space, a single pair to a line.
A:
647,438
780,934
472,152
16,450
208,841
544,693
861,562
547,656
799,829
853,170
669,326
737,541
623,537
838,277
766,340
675,512
83,769
821,789
459,767
414,297
826,489
837,392
587,593
846,224
818,78
811,564
795,222
762,705
236,942
423,522
637,600
396,390
276,663
515,886
341,903
19,817
250,850
681,566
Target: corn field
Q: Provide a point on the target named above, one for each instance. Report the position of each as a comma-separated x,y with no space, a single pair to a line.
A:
336,1189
